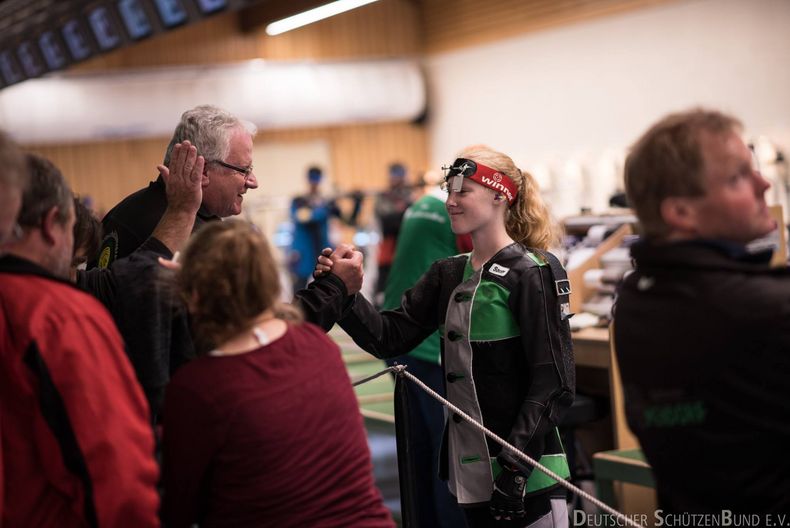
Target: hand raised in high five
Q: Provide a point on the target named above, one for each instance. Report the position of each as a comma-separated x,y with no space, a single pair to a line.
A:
183,178
184,189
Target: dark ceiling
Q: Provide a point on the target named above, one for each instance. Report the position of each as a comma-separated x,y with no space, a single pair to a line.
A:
38,36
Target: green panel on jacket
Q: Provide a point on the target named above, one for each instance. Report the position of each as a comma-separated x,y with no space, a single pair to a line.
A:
492,319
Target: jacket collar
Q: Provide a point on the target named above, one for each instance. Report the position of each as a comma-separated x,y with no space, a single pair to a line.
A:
19,266
701,253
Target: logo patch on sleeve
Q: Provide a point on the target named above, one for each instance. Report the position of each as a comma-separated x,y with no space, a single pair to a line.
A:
109,250
496,269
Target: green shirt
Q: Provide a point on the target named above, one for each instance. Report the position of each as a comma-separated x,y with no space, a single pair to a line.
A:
425,237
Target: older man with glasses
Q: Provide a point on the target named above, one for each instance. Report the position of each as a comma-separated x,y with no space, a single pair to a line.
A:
225,142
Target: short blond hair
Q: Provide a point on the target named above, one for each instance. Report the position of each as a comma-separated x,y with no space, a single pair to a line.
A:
667,161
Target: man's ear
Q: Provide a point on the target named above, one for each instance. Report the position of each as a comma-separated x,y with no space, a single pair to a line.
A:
679,213
48,223
204,177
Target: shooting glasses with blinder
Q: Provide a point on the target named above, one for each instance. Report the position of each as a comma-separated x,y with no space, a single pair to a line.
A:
479,173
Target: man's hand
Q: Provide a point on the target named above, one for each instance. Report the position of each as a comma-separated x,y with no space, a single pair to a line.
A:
183,186
345,262
183,178
507,500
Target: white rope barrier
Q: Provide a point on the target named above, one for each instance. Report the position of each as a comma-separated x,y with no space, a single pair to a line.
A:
401,371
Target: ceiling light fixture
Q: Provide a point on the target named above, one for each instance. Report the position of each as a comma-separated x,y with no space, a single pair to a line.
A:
314,15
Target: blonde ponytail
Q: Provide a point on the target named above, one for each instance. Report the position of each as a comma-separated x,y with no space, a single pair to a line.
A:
528,220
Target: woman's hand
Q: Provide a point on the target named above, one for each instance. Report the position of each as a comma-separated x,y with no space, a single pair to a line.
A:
323,263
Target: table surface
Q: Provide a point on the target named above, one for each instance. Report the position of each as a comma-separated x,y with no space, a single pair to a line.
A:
591,347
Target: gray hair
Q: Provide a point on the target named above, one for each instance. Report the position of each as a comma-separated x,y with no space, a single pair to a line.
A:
12,164
209,129
47,189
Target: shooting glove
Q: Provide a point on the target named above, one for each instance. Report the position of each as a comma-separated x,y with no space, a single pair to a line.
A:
507,500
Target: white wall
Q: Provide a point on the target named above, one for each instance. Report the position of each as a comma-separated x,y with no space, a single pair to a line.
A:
566,103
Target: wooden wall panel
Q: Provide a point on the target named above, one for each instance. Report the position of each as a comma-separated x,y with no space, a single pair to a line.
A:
452,24
108,171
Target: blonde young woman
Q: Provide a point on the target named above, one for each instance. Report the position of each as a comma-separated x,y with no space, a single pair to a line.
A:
263,428
502,310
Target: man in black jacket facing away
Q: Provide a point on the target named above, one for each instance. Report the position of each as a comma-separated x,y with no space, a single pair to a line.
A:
703,325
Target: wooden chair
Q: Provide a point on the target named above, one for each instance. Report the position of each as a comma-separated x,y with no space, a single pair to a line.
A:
627,463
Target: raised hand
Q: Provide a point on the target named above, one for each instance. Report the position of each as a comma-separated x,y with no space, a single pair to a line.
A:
183,178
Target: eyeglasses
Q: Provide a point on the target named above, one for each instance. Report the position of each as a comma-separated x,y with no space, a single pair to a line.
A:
241,170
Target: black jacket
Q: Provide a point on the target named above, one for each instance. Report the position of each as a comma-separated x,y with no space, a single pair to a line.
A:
127,225
522,379
154,326
703,340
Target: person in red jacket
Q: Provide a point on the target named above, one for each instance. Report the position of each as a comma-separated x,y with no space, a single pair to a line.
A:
76,446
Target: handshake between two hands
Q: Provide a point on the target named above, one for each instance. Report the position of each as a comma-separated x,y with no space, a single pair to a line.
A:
345,262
